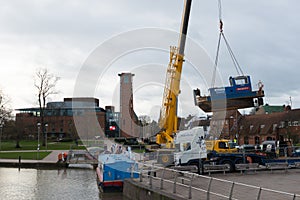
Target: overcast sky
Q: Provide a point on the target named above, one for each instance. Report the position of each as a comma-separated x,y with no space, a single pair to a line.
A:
70,36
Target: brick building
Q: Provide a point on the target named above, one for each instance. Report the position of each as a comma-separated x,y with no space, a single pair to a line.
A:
76,117
59,118
268,123
282,126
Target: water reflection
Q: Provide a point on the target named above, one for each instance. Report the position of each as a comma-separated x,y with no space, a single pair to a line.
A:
50,184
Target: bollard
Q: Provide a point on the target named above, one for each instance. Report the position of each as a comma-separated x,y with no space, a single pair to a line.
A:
19,162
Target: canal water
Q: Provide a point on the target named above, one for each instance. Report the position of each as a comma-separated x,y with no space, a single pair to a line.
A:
51,184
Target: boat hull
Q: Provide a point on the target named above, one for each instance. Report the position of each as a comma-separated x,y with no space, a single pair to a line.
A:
113,170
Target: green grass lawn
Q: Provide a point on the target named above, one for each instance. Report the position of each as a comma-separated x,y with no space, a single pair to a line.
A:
32,145
24,155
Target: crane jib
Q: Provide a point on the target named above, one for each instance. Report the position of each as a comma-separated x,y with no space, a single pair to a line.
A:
184,26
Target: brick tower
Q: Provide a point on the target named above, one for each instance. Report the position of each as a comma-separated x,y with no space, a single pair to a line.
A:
128,119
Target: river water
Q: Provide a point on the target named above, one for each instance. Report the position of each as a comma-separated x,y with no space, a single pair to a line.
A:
63,184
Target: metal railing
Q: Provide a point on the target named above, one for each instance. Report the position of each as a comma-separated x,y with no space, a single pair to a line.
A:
193,186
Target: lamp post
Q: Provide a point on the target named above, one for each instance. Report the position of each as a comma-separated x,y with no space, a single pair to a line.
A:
38,148
1,126
46,127
230,126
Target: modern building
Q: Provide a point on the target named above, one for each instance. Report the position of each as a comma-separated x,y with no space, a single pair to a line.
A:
58,117
112,121
75,117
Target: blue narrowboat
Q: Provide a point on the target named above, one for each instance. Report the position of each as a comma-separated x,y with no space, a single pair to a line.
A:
113,169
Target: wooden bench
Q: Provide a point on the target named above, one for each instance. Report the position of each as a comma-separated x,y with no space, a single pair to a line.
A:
247,167
216,168
277,165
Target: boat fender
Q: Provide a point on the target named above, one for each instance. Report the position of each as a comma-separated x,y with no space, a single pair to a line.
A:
249,159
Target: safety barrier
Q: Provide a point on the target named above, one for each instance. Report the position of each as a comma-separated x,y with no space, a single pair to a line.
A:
297,164
216,168
247,167
277,165
193,186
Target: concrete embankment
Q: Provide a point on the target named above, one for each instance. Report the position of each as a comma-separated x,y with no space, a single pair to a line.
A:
38,165
135,191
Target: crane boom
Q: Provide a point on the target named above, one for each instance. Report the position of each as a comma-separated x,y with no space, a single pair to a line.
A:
168,121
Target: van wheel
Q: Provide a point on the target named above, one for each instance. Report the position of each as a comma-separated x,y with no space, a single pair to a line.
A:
229,164
196,166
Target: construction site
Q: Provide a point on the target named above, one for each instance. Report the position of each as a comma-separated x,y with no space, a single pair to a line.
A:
206,157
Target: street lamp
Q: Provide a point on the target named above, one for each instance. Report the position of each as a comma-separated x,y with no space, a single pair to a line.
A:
38,148
46,126
1,126
230,126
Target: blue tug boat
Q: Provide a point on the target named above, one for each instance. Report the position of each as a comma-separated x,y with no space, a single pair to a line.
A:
236,96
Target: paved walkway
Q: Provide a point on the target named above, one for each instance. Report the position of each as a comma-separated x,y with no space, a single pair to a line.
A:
51,158
276,180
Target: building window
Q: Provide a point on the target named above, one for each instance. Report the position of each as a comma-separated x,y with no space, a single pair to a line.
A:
246,140
126,79
295,123
257,140
269,138
251,127
274,127
282,124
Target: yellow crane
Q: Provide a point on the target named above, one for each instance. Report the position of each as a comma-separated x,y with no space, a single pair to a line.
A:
168,121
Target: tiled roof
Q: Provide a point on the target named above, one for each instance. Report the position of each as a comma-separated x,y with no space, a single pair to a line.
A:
267,120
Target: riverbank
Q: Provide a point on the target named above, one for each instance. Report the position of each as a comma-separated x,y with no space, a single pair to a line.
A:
49,162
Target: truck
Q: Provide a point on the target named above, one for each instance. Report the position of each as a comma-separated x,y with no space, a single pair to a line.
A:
191,149
221,146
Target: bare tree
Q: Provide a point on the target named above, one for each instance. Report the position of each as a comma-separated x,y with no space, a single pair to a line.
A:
45,83
5,112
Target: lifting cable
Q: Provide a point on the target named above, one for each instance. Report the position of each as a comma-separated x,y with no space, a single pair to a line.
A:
233,58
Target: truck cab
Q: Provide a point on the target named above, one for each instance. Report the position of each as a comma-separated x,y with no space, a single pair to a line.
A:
221,146
190,146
